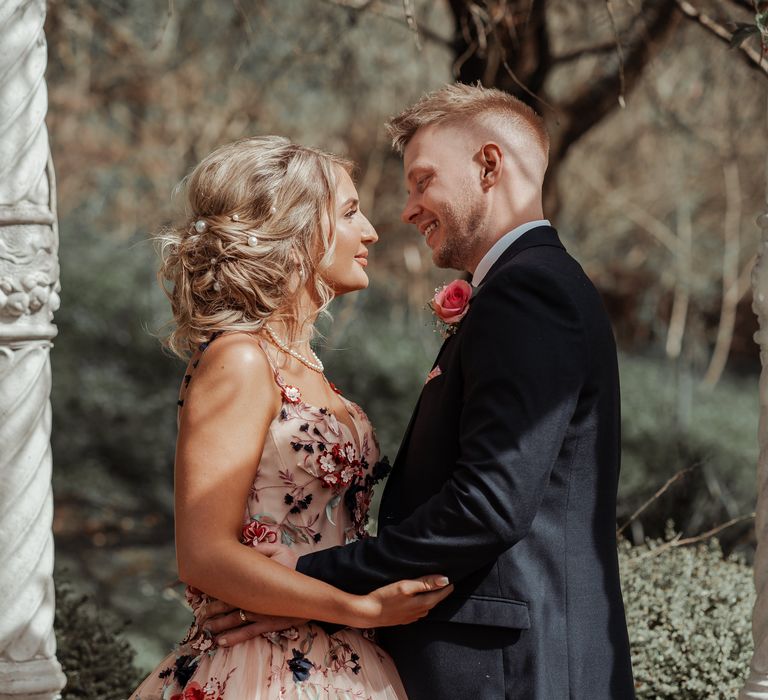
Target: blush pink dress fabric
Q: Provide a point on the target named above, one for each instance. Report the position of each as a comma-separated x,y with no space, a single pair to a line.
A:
312,490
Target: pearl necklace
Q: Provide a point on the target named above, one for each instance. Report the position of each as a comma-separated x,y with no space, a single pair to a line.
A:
316,366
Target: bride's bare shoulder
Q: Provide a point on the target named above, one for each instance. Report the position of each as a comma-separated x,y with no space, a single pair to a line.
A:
235,361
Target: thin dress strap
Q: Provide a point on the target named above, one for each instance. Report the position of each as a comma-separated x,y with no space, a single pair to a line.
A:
290,393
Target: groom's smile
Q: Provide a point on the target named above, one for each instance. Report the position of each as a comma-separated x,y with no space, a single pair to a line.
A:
428,229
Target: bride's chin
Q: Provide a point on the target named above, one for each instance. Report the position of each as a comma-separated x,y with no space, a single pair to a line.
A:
356,286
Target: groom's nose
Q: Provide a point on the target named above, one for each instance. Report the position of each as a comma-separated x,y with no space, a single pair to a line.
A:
410,211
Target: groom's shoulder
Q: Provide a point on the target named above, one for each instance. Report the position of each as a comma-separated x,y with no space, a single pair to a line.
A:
547,273
540,264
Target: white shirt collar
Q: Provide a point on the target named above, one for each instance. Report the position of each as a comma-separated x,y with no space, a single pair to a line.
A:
500,246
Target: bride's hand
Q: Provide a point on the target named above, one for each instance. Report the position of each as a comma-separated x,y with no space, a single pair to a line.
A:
402,602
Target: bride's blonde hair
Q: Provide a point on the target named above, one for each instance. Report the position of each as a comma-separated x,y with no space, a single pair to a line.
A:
259,228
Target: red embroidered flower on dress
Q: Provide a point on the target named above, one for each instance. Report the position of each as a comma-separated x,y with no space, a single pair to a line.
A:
339,465
255,532
193,691
360,513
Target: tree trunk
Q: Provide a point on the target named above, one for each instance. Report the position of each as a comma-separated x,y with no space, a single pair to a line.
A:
756,687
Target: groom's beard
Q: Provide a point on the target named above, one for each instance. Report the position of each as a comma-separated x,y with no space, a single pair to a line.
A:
461,237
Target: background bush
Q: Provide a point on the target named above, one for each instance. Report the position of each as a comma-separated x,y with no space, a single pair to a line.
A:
688,612
98,662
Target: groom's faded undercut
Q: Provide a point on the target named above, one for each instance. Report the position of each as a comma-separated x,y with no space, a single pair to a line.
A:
461,102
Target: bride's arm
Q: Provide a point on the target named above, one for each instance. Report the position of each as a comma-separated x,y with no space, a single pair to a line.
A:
229,405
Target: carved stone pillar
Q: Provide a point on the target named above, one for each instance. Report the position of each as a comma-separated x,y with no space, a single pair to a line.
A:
29,286
757,683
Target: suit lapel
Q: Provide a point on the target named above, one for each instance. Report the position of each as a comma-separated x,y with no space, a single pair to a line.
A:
543,235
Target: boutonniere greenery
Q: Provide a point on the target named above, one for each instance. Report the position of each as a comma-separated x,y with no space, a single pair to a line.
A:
449,305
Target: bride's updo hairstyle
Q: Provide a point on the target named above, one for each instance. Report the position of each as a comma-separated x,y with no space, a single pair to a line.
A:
258,230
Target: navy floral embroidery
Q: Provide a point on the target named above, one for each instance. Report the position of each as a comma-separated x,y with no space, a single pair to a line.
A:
300,665
182,669
358,496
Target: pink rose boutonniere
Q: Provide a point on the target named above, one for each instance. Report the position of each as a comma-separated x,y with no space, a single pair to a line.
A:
450,304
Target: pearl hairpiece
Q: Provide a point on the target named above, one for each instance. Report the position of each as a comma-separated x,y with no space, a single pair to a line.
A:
201,226
253,241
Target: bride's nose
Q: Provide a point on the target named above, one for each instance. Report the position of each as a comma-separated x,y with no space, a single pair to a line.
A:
369,233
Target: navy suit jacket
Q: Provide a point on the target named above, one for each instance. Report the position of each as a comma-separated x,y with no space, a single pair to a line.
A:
506,482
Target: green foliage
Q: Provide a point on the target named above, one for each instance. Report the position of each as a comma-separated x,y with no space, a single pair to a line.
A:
97,662
109,373
688,612
669,423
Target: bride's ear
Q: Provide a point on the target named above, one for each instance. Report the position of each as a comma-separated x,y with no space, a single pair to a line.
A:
491,164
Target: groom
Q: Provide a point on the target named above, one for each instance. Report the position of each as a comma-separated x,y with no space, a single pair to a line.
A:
506,478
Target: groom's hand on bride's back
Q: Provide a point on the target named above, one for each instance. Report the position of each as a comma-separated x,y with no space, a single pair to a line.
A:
230,626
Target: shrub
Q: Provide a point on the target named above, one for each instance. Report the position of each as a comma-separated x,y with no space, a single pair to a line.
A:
97,662
689,613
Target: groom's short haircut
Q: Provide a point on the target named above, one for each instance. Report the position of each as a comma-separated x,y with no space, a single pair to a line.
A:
462,103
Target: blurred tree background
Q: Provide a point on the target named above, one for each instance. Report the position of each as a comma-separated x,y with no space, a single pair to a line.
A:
658,172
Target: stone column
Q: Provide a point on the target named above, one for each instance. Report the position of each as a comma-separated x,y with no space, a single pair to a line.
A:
29,286
757,683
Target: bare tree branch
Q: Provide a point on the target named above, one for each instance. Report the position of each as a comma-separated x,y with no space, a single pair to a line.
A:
584,51
619,53
746,4
730,298
599,97
634,212
753,57
384,10
504,44
673,479
682,295
680,541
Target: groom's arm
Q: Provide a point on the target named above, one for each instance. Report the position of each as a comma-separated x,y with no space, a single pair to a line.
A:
523,358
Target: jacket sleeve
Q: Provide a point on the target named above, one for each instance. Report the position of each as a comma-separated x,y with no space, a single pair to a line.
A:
523,357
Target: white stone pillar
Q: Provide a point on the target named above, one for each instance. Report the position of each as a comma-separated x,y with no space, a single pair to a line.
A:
757,683
29,285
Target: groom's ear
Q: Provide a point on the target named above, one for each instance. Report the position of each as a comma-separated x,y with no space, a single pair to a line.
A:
491,163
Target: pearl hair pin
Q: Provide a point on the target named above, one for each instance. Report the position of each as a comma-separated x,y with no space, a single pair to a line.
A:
235,217
253,241
201,226
273,210
316,366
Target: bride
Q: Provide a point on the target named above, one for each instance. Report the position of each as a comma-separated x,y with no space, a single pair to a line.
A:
269,451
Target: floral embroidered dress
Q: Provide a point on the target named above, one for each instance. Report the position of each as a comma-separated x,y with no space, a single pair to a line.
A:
312,490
